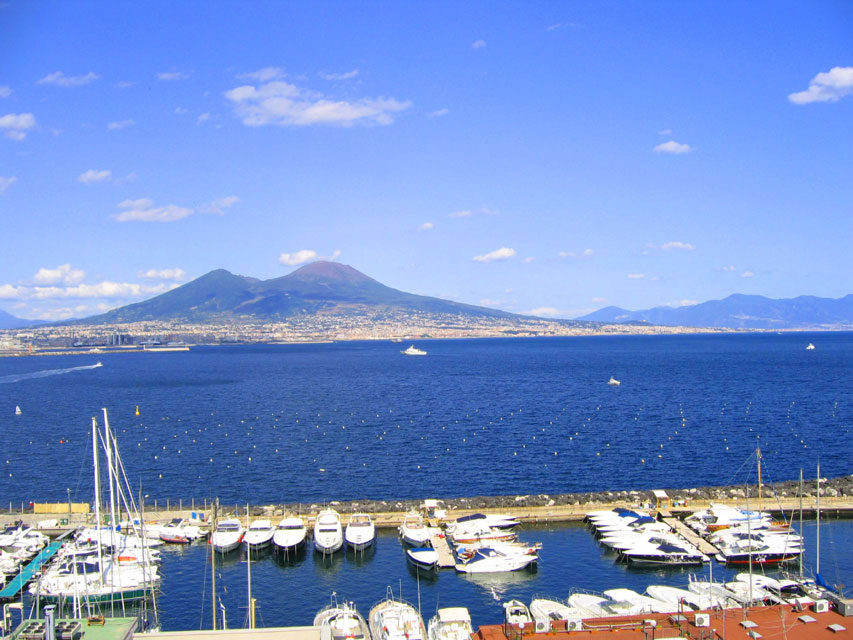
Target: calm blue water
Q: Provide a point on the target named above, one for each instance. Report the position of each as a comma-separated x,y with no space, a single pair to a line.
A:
268,424
475,417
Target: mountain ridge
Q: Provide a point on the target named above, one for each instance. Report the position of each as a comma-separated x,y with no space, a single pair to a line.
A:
741,311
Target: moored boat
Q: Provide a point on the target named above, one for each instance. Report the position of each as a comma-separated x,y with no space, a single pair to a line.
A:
341,622
328,532
360,532
450,623
228,535
259,535
290,534
394,619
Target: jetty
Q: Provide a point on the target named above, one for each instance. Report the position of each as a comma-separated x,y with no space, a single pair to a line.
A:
442,547
691,536
27,573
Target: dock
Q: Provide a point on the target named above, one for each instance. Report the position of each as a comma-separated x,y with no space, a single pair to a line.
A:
19,581
691,536
442,547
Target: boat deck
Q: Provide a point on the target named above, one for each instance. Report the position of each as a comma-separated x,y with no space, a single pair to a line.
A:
445,555
691,536
17,583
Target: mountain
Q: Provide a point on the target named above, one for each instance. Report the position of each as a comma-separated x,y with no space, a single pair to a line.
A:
742,312
8,321
316,287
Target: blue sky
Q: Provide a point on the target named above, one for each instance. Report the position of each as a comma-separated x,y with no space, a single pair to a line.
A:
546,157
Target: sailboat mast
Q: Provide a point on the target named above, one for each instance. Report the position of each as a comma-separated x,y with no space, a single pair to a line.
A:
758,456
249,574
97,489
817,522
801,520
213,561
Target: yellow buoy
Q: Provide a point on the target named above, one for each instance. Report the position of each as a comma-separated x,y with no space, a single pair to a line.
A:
137,409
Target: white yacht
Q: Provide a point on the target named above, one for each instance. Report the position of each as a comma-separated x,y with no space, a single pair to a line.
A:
413,351
679,599
613,382
414,532
516,612
497,559
423,558
394,619
450,623
810,347
179,531
341,622
290,535
328,532
544,611
228,535
360,532
259,535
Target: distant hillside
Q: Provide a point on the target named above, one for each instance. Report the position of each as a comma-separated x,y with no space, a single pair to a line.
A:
742,312
8,321
316,287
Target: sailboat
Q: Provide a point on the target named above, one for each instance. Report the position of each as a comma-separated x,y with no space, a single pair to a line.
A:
18,410
108,577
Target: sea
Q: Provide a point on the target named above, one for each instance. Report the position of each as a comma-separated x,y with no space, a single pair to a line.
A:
316,423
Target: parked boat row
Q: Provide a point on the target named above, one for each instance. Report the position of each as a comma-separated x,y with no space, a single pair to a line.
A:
18,545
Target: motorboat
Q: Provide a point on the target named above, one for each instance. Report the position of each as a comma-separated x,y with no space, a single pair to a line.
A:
546,611
341,622
360,532
328,532
414,532
492,521
613,382
495,559
517,613
394,619
259,535
413,351
638,603
289,535
480,532
450,623
179,531
590,605
757,548
810,347
719,595
228,535
425,558
719,516
664,554
676,599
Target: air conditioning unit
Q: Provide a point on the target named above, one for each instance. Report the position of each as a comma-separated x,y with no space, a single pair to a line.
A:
702,620
821,606
574,625
542,626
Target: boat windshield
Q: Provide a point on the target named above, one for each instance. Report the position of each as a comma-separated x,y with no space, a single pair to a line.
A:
290,527
228,526
176,521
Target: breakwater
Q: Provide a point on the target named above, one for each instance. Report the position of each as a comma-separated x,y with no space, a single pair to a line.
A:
781,499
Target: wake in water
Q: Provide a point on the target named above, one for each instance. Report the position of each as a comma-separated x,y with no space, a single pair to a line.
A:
47,372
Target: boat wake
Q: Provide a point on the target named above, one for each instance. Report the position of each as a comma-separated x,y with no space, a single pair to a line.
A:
46,373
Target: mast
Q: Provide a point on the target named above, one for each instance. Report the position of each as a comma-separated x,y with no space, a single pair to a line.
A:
249,574
97,491
801,520
758,457
213,561
110,479
817,521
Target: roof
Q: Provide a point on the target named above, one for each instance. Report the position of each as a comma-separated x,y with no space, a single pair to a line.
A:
660,494
454,614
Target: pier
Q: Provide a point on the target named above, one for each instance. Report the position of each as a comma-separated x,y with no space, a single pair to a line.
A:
19,581
691,536
442,547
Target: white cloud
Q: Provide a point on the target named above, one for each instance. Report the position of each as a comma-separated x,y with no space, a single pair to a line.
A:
665,132
63,274
599,300
636,276
17,124
504,253
730,268
61,80
204,117
529,259
284,104
120,124
438,113
672,147
687,303
172,75
299,257
684,246
5,91
586,253
217,206
181,111
461,214
124,84
163,274
829,86
478,44
5,183
93,175
426,226
263,75
340,76
143,210
747,274
548,312
467,213
560,25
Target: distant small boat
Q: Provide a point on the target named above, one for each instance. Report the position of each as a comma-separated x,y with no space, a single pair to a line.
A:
613,382
18,410
810,347
413,351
